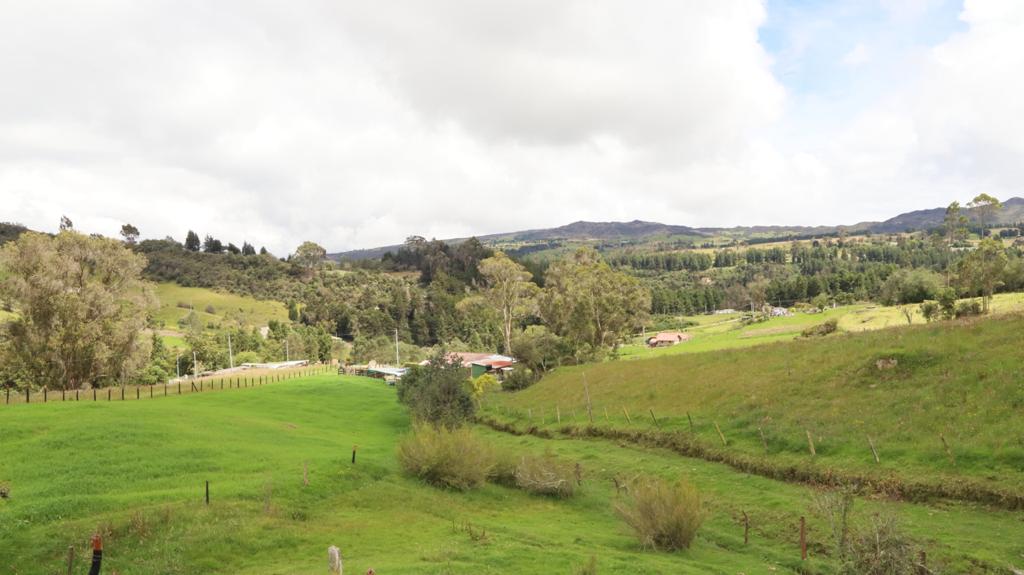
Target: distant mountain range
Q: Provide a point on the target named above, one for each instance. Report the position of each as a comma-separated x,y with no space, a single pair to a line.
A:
1012,212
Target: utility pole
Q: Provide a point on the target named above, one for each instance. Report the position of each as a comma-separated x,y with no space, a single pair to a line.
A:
231,356
397,361
195,365
177,365
287,354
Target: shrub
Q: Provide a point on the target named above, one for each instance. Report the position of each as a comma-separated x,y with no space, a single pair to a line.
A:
823,329
504,470
439,392
520,378
968,308
879,548
546,475
454,459
247,357
947,302
930,311
481,385
663,515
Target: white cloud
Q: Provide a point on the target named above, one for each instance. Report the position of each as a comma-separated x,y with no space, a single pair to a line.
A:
857,56
355,124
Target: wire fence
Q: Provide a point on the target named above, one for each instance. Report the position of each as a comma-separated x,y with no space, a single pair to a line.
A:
246,380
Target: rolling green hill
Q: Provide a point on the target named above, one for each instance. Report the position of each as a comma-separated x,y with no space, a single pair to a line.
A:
213,307
914,391
727,331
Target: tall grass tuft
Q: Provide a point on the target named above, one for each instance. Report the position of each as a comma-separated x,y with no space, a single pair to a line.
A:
664,515
454,459
546,475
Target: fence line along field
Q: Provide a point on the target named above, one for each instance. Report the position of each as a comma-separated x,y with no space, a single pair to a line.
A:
283,487
239,380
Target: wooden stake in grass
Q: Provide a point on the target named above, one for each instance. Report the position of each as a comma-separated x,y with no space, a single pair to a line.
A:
810,443
656,422
764,441
558,414
746,528
71,559
626,413
207,493
803,539
354,454
871,444
586,389
949,452
606,415
690,419
720,434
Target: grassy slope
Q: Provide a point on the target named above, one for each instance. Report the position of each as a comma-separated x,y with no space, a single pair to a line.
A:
715,332
961,380
227,306
136,470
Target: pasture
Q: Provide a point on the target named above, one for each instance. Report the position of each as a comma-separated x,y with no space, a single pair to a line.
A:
726,331
136,472
213,307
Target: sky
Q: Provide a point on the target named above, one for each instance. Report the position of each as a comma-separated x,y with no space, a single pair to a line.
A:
356,124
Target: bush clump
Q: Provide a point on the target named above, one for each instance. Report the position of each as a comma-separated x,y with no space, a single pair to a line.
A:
968,308
874,547
438,393
546,475
520,378
449,458
664,515
823,329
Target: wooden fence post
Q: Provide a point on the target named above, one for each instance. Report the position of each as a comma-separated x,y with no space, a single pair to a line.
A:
628,420
558,414
207,492
810,443
871,444
658,424
764,441
354,454
746,528
803,539
586,389
720,434
27,398
71,558
690,419
949,452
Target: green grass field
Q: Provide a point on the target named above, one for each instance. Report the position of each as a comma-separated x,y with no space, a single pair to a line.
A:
226,307
958,382
135,471
717,332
